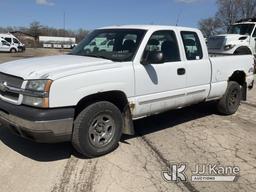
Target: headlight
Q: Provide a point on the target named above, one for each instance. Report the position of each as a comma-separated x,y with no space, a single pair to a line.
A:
38,85
36,93
228,47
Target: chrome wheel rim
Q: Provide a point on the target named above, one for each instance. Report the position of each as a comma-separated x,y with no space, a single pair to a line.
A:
233,99
101,130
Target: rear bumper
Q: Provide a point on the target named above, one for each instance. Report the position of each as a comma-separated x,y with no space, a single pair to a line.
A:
40,125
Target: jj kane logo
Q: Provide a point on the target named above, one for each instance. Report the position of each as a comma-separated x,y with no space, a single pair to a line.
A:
201,173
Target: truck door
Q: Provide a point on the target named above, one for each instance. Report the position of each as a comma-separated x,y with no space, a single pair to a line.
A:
198,68
160,86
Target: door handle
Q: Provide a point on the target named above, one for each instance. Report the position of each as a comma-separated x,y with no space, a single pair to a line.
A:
181,71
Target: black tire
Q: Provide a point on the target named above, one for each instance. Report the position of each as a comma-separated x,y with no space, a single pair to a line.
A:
13,50
231,100
84,140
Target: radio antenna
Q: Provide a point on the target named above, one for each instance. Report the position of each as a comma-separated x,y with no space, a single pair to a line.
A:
178,18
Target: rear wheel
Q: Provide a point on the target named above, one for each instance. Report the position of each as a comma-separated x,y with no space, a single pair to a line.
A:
230,101
97,129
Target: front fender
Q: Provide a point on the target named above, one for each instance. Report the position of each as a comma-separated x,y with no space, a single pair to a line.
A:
68,91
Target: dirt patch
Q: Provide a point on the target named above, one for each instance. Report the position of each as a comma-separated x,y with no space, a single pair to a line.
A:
29,53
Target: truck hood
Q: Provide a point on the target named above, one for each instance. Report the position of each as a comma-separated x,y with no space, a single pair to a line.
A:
219,41
54,67
232,38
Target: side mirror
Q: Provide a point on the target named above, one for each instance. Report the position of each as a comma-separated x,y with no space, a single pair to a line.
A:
155,57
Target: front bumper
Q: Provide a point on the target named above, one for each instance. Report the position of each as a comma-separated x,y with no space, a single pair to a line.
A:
21,48
40,125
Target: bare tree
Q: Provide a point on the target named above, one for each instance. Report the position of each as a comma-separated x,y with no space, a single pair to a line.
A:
228,12
248,8
35,29
209,26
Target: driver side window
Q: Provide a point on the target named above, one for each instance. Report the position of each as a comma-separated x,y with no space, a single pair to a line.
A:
164,42
15,40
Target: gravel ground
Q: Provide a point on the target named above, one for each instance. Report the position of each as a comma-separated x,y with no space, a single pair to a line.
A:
192,135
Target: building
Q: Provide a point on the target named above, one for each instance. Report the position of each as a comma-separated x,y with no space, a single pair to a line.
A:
57,42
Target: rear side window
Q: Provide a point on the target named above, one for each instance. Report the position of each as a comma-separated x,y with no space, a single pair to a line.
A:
192,45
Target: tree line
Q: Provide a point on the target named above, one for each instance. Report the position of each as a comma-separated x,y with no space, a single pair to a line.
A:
35,29
229,11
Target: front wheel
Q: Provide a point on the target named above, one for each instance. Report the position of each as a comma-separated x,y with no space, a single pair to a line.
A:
97,129
230,101
13,50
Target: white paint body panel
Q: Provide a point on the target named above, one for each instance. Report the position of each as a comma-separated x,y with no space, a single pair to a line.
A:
152,88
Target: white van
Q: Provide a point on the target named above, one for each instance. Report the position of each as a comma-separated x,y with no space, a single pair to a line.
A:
7,47
13,41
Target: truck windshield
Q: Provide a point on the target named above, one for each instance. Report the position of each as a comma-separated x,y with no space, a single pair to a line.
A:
241,29
112,44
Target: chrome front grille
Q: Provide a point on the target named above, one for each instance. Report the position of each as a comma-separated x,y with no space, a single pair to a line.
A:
215,42
11,81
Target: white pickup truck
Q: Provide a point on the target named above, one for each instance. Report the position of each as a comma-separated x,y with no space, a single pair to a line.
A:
91,98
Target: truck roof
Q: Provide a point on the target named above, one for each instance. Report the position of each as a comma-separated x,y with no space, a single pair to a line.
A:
246,22
148,27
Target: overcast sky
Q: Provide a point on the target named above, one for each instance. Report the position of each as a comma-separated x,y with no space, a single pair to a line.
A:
90,14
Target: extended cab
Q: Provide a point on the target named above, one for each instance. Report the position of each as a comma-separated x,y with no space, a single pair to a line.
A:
91,98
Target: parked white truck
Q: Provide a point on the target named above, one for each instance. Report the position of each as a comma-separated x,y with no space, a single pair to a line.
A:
240,39
91,98
7,47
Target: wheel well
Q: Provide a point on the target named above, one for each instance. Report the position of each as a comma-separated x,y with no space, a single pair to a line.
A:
243,50
239,77
118,98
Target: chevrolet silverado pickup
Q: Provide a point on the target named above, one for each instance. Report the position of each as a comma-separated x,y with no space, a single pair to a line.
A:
91,98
